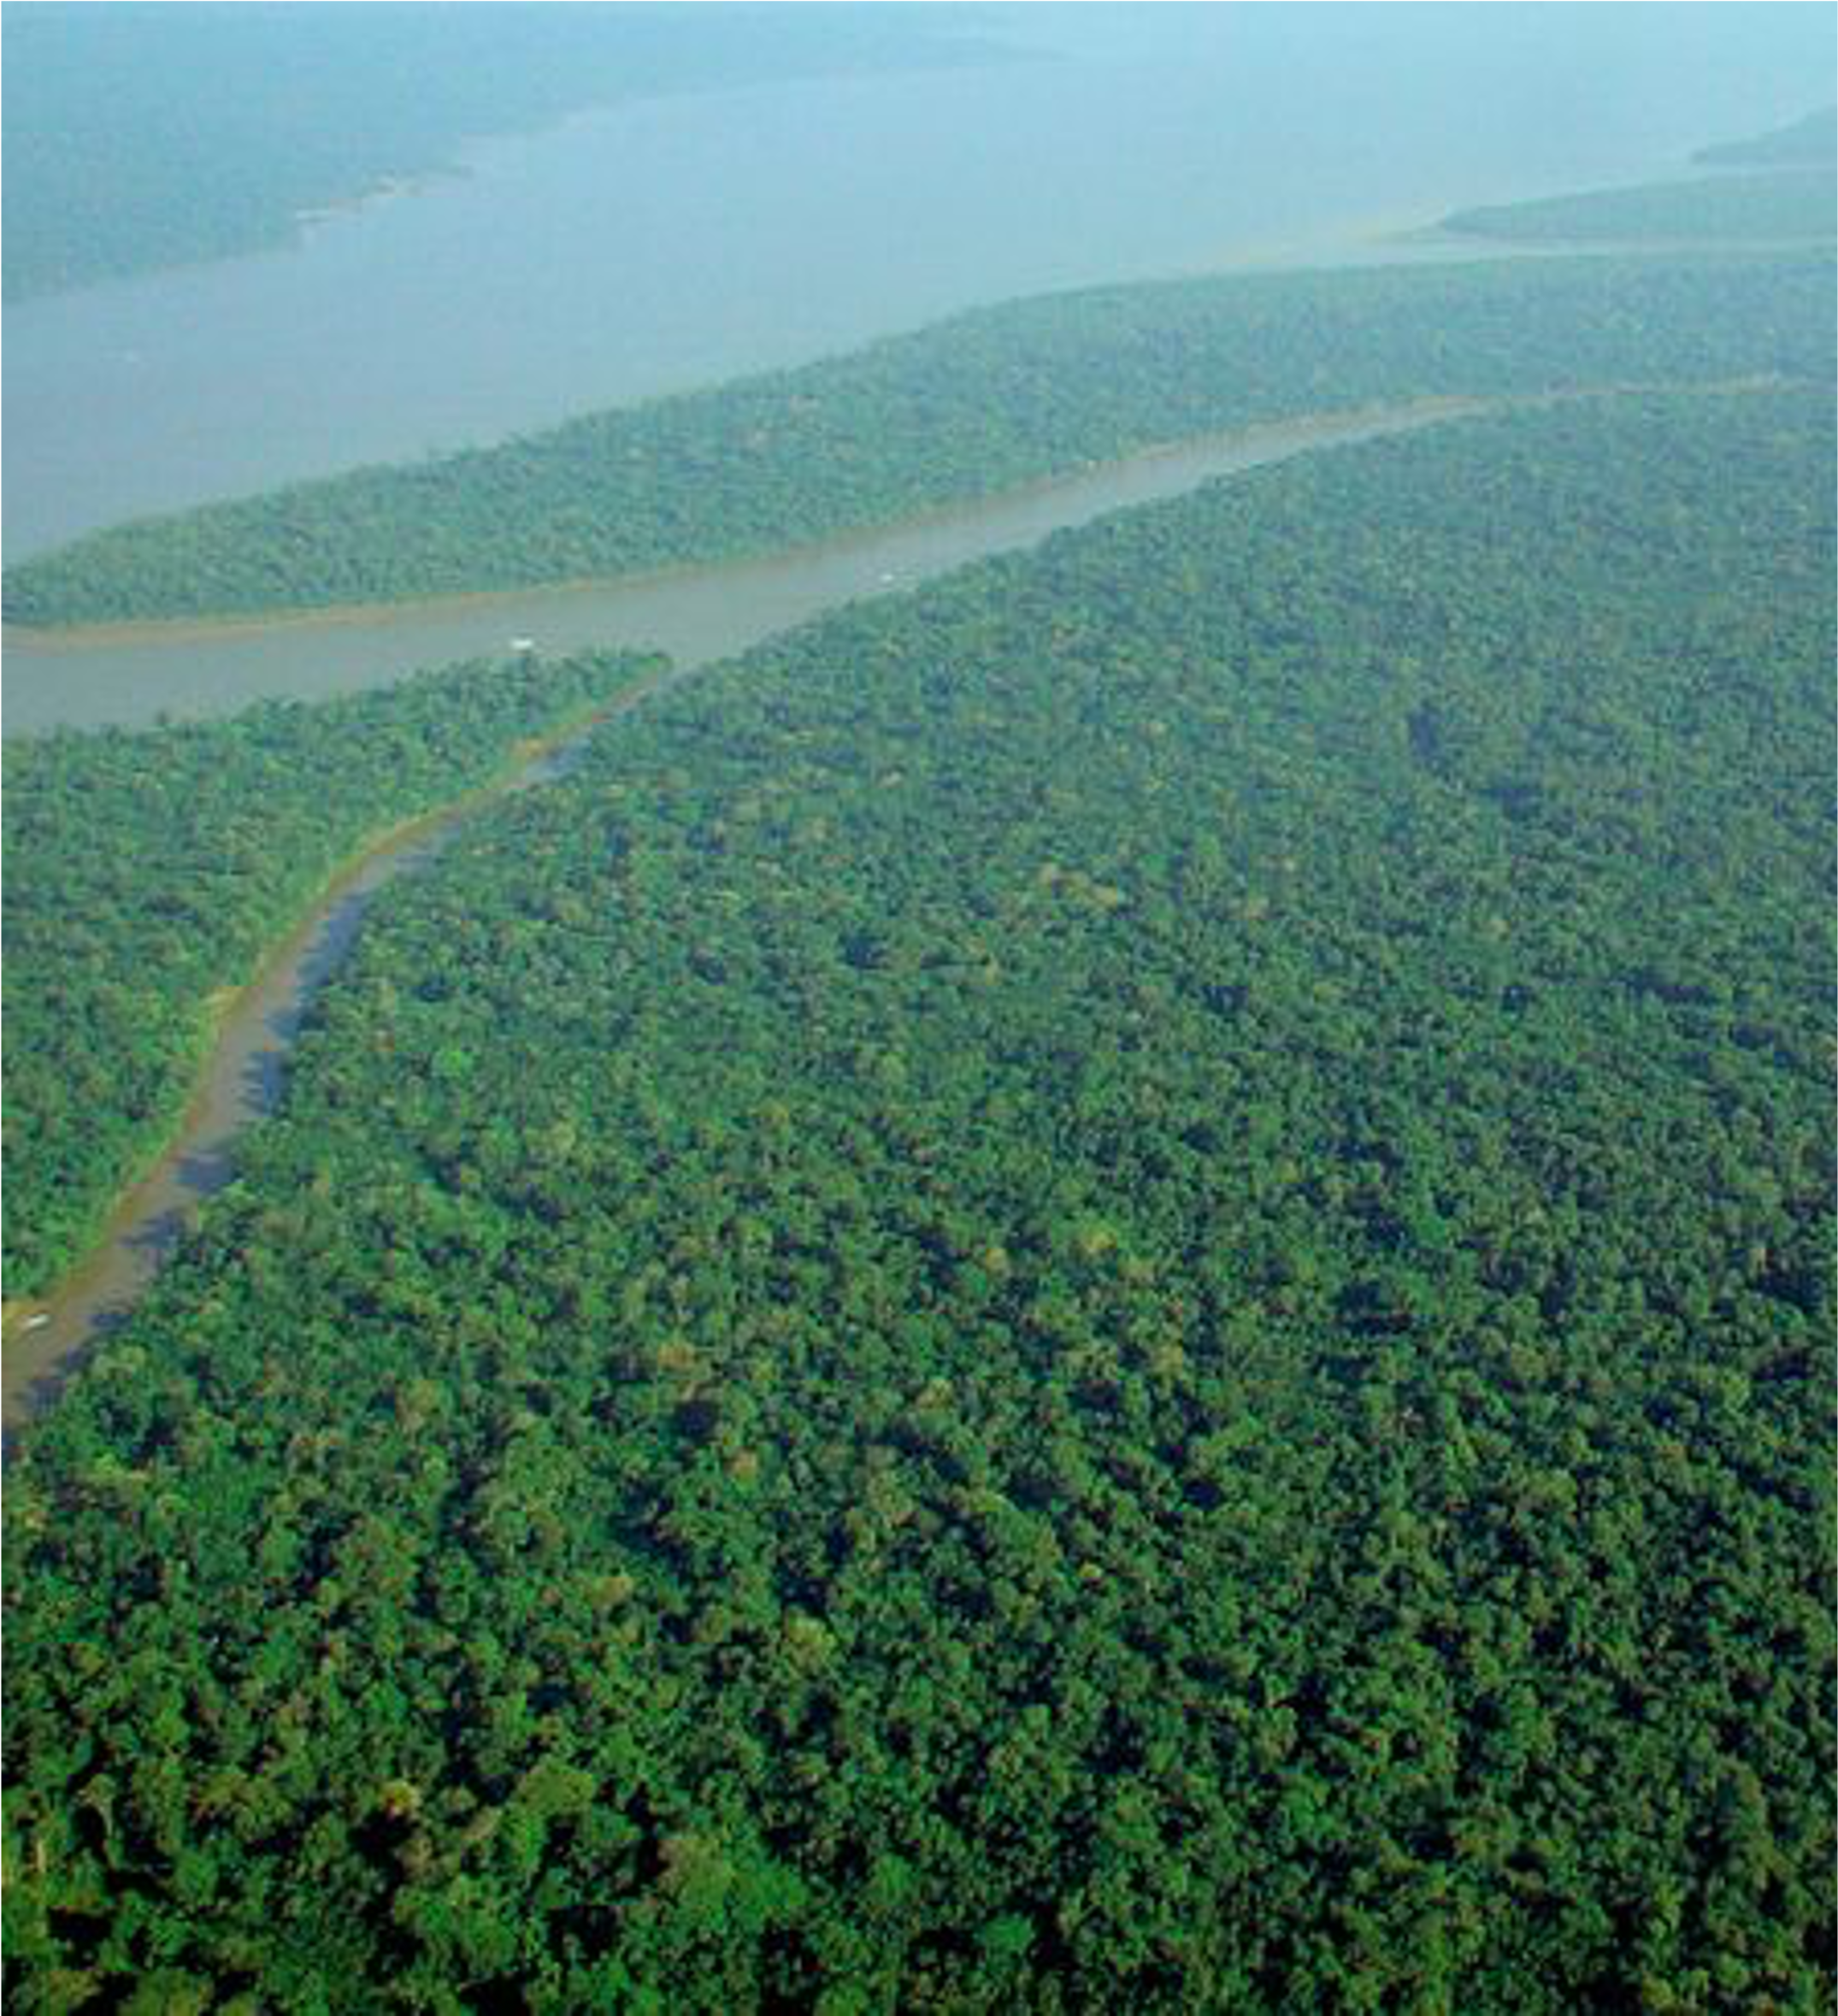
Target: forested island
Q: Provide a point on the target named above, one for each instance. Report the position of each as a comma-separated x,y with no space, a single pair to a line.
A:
1808,141
1104,1288
146,872
141,138
1798,203
975,405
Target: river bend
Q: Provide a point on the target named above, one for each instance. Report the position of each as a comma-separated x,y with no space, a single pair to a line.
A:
697,616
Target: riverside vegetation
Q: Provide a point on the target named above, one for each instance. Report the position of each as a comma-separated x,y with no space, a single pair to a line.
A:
1798,203
977,405
1797,198
144,872
1809,141
136,142
1105,1289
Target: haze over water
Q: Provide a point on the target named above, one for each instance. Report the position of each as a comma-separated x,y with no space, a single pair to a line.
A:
675,241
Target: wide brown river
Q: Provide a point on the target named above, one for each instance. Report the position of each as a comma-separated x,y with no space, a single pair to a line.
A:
697,616
85,679
671,243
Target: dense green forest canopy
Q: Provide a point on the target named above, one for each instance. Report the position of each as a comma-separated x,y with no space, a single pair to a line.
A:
1791,204
1106,1288
1813,139
138,136
976,404
146,871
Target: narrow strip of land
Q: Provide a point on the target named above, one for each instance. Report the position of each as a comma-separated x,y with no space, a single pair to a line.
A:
241,1079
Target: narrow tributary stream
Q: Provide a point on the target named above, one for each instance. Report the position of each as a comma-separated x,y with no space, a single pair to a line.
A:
241,1081
699,616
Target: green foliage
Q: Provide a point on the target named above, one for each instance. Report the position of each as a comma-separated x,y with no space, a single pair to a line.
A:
983,403
1811,140
1124,1308
146,871
1791,204
141,136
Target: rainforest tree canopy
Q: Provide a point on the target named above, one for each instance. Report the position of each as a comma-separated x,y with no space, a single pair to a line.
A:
146,871
983,403
1107,1287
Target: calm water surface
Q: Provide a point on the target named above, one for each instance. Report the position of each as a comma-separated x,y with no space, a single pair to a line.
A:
243,1081
677,242
694,614
701,616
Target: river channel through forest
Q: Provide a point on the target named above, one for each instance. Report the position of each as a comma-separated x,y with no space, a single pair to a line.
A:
131,676
920,1085
697,616
1117,143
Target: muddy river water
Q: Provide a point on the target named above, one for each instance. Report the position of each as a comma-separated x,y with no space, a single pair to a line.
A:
128,676
697,615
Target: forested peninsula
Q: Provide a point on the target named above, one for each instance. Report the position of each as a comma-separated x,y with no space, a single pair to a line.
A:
1811,140
140,138
1106,1288
1799,204
980,403
145,872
